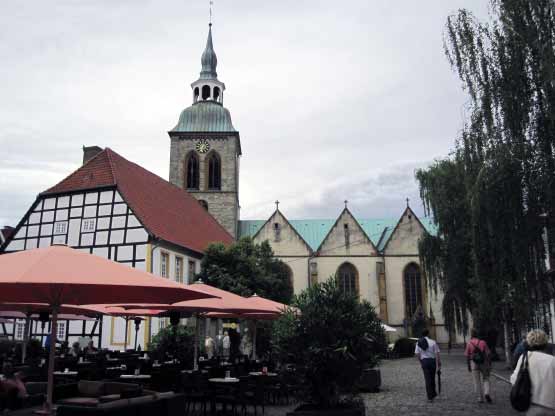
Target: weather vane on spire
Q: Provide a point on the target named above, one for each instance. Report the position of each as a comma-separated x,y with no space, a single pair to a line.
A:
211,4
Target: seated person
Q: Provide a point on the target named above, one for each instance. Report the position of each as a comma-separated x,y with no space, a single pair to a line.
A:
75,349
90,348
13,387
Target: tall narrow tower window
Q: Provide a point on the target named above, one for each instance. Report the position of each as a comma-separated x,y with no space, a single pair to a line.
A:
214,172
195,94
192,173
205,92
216,93
413,289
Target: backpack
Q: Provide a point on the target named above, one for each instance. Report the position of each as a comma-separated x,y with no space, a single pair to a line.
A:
478,356
423,343
521,392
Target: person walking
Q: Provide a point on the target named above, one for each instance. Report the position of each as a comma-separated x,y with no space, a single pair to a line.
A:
478,358
541,367
427,352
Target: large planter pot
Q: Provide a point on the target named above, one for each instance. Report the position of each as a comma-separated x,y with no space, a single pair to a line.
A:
370,380
309,410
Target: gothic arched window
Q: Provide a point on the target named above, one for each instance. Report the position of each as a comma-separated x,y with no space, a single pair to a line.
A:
192,171
347,278
214,172
413,289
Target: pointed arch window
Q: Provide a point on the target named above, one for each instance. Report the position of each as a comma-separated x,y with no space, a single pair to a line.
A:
214,172
192,171
413,289
347,278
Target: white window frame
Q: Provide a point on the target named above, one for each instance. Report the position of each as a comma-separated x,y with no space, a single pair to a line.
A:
61,330
164,264
179,269
19,330
60,227
88,225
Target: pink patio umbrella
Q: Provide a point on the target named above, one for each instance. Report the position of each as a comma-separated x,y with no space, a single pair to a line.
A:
225,302
60,275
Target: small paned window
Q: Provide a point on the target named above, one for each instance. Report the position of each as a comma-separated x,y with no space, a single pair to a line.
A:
164,262
179,269
192,172
19,330
60,227
61,330
88,225
214,172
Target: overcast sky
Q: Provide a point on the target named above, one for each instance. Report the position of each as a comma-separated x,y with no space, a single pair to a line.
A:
334,100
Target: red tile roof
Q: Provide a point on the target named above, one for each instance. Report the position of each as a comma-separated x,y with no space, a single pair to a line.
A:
167,212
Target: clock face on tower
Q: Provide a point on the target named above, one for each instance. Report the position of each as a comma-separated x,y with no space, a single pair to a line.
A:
203,146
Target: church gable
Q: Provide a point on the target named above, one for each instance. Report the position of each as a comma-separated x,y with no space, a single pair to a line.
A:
346,238
404,237
283,238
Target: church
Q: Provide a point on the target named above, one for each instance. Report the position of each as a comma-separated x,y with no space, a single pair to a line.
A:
104,208
375,258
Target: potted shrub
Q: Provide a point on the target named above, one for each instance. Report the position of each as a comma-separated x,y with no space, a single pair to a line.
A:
330,338
177,341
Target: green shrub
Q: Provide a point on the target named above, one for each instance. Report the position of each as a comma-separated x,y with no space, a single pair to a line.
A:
177,341
330,340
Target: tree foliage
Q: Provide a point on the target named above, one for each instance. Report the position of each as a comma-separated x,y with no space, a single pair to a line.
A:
491,197
331,338
246,268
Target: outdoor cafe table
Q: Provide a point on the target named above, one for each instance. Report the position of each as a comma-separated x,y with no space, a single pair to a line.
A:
261,374
135,376
224,380
66,373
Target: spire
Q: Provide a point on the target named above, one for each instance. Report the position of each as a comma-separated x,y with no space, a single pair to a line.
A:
209,60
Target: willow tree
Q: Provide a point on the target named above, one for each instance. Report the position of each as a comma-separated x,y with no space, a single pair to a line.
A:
505,166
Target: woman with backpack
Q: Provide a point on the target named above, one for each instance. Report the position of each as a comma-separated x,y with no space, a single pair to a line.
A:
478,357
427,352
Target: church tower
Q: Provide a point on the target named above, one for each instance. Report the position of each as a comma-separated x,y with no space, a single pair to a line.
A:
205,147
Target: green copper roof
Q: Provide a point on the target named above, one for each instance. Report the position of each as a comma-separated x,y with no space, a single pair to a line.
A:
314,231
204,116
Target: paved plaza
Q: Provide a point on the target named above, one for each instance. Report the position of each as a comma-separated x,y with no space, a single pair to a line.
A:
403,391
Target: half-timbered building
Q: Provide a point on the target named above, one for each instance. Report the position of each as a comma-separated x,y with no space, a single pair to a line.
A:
116,209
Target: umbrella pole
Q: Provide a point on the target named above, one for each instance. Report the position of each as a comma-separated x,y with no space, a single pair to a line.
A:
197,330
136,335
125,341
25,338
51,357
254,342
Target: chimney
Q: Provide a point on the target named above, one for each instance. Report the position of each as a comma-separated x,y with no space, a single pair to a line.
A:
89,152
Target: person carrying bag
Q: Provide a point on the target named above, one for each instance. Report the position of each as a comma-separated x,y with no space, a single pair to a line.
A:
533,380
478,358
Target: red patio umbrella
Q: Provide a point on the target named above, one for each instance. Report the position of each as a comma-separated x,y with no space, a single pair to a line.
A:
60,275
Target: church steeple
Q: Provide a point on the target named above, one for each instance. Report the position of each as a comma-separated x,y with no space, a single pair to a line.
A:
209,60
208,87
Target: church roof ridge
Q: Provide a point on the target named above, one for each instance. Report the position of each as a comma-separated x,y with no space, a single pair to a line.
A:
315,230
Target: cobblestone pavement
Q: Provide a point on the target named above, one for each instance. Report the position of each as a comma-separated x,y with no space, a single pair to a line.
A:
403,391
